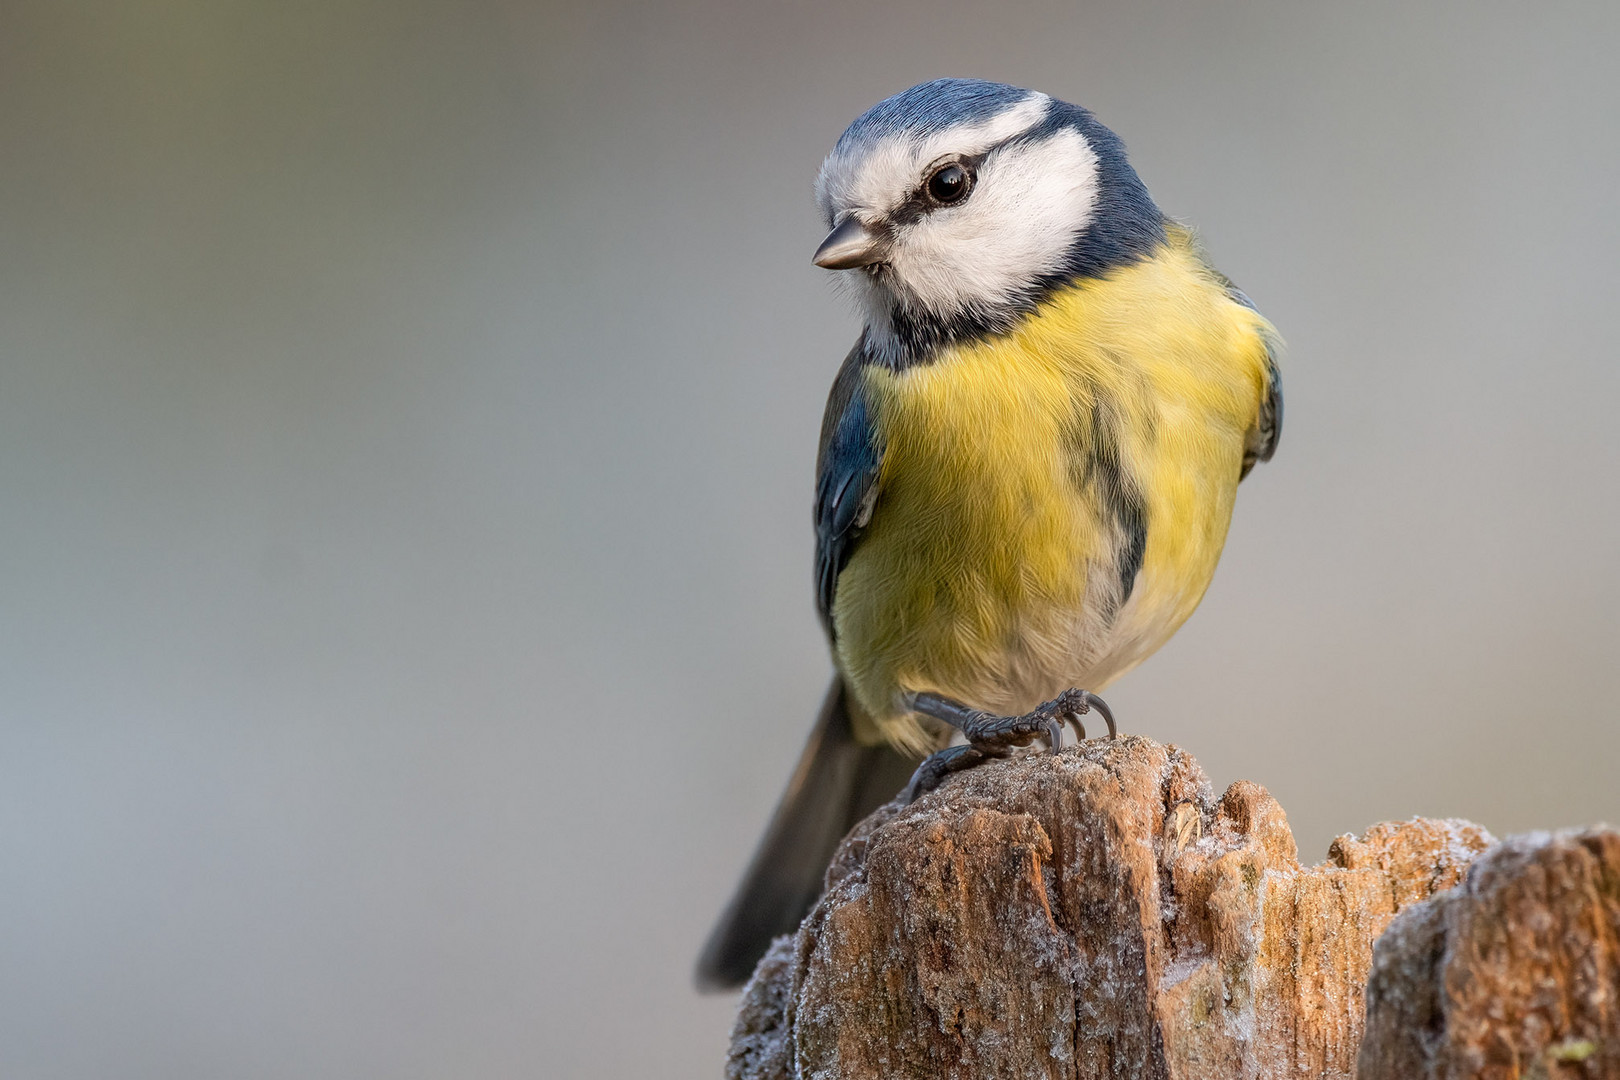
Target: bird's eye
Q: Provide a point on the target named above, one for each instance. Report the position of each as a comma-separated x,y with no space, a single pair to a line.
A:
949,183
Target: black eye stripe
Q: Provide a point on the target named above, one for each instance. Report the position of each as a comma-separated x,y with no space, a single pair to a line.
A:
920,202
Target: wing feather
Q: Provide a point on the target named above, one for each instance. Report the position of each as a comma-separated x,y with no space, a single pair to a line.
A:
1268,429
847,468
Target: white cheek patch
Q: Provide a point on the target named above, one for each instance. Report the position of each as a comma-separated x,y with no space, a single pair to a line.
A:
872,180
1029,204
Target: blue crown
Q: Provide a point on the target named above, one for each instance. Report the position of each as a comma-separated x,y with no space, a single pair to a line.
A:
932,106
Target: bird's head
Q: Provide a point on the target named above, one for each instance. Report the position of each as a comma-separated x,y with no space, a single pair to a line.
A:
957,205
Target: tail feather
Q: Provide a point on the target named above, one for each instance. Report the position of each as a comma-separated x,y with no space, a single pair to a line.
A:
836,783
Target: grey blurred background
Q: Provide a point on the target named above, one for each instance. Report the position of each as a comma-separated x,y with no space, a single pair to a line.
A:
407,415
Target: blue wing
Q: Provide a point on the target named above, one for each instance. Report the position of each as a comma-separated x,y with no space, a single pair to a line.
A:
1271,411
1263,440
847,467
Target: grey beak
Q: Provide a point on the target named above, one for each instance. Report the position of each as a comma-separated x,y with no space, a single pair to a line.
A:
850,245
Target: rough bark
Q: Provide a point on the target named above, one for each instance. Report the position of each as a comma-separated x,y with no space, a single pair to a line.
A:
1515,973
1095,913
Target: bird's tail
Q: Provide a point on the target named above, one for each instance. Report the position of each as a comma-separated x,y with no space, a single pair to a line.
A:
836,783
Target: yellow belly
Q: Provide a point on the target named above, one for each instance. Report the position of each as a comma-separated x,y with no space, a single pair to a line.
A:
988,572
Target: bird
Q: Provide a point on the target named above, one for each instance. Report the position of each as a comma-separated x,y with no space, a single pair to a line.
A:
1027,465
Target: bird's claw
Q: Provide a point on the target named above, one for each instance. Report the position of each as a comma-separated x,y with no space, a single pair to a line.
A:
992,736
995,735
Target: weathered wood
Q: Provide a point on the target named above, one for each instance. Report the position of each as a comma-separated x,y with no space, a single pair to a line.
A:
1515,973
1095,913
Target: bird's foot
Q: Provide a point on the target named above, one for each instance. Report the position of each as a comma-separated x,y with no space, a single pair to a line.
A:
989,735
936,767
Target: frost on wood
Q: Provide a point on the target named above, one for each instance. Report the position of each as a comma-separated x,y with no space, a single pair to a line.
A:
1516,973
1095,913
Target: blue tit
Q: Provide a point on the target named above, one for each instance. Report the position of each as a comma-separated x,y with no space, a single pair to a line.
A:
1028,461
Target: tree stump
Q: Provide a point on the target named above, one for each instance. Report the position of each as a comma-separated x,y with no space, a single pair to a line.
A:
1093,913
1514,973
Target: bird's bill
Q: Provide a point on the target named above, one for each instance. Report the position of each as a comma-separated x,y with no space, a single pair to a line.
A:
849,245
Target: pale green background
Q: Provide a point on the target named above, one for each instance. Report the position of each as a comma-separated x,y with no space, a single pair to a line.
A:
407,415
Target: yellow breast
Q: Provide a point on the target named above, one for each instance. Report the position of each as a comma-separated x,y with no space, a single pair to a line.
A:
989,570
